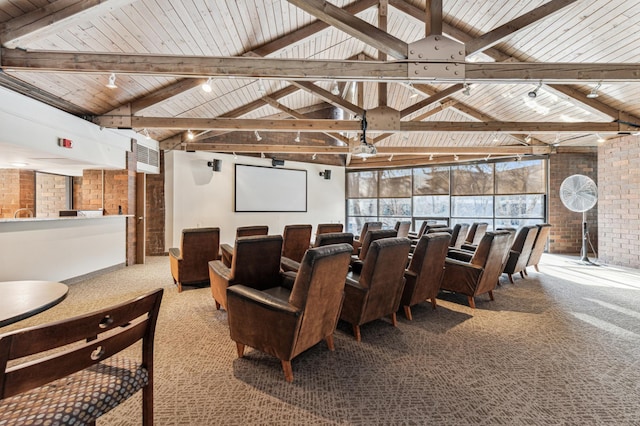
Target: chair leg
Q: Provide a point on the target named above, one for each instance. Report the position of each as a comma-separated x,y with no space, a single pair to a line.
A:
522,274
147,405
510,278
240,349
536,266
179,287
356,332
217,306
491,295
394,319
525,271
288,371
407,312
434,303
472,303
330,344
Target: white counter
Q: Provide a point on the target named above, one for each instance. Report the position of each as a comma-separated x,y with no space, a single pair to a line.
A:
58,249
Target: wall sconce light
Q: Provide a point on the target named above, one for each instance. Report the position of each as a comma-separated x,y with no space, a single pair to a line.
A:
216,165
326,174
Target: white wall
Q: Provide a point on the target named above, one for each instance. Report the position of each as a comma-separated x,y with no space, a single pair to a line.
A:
197,197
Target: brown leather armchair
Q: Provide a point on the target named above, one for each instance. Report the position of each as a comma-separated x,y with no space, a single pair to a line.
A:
402,228
296,240
425,272
330,238
424,228
286,323
376,291
459,234
475,233
378,234
226,250
480,273
256,263
538,246
368,226
188,263
520,251
325,228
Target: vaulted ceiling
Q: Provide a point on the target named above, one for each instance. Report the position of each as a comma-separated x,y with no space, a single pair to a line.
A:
426,79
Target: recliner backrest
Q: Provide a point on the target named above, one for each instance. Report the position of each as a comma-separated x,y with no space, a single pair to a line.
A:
256,261
296,240
427,262
539,244
459,234
249,231
325,228
373,236
402,228
334,238
197,247
490,256
369,226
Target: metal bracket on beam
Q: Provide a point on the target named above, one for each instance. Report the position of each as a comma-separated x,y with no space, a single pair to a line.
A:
383,118
119,118
436,56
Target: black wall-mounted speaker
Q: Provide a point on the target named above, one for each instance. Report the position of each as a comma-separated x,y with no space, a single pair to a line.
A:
276,162
216,165
326,174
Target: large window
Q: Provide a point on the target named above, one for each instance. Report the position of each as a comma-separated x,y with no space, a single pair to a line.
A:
504,194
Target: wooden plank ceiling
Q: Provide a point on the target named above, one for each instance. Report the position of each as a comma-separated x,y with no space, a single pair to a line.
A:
274,65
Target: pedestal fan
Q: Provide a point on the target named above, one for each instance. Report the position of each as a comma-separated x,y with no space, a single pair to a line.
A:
579,194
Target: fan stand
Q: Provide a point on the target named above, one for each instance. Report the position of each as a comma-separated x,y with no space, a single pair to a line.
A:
584,258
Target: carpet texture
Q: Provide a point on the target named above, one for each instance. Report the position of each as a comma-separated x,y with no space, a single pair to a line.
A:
561,347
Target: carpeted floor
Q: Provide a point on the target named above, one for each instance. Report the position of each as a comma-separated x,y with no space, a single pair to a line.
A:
559,348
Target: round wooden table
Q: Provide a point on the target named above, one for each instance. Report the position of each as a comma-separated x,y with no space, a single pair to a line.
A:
22,299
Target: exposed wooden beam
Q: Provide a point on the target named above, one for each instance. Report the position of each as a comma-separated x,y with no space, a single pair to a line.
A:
324,149
433,21
503,31
307,69
307,31
381,162
321,125
578,95
295,114
328,97
383,8
165,93
53,18
431,99
354,26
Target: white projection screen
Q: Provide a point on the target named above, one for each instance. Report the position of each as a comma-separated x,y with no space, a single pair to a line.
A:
270,189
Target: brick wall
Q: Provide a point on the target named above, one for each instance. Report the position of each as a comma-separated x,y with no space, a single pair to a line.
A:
566,233
87,190
9,192
619,201
155,212
51,194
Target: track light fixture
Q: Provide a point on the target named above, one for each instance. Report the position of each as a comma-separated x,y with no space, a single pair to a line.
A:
258,137
534,93
527,138
600,138
297,139
261,89
262,155
430,157
335,89
488,157
111,84
207,85
455,157
190,135
235,156
145,132
467,90
414,92
391,157
594,92
495,137
314,156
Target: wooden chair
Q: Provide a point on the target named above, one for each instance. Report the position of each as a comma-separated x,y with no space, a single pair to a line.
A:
285,322
76,384
226,250
188,263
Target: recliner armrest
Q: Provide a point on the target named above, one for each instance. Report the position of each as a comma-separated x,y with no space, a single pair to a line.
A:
262,299
220,269
458,254
289,265
175,252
